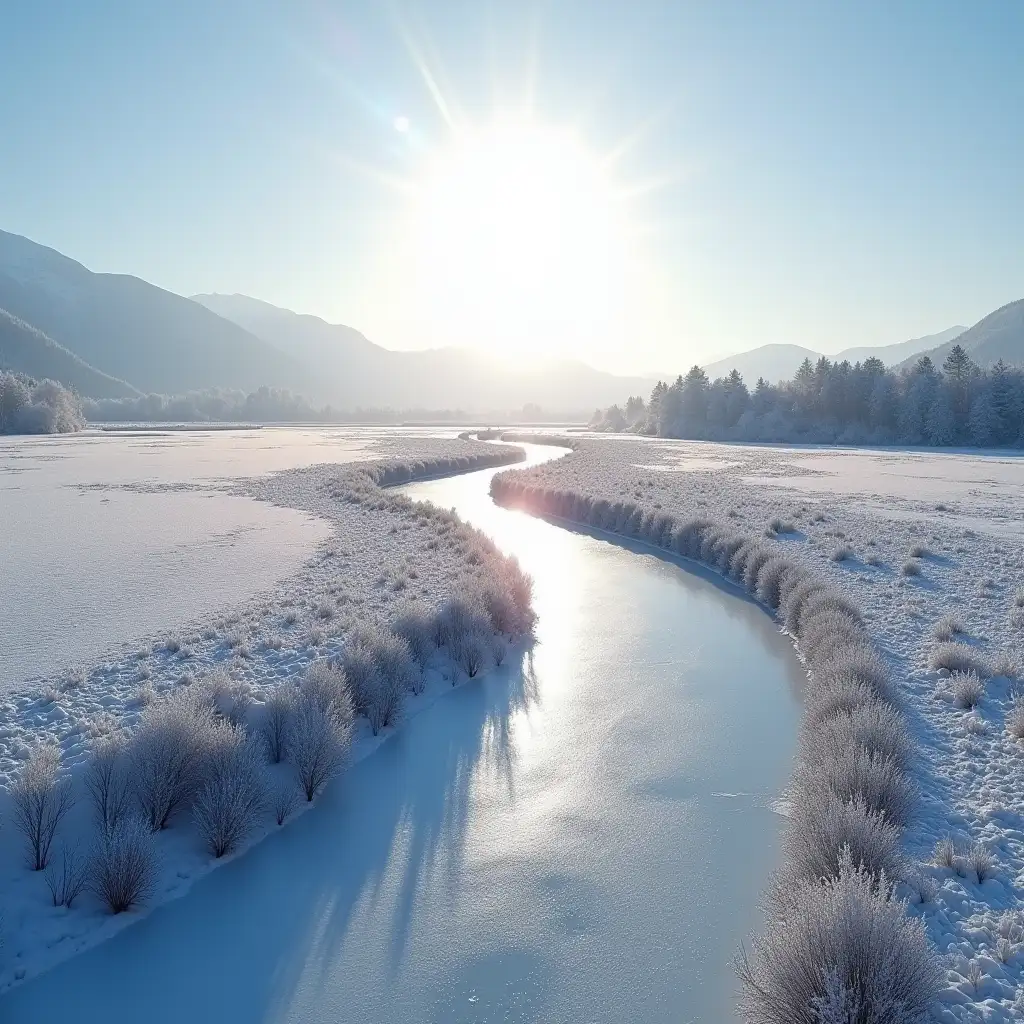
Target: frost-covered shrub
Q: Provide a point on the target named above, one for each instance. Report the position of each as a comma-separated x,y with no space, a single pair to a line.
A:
957,657
770,580
40,799
472,655
1006,666
499,650
841,553
918,551
284,802
1015,720
858,664
275,722
846,953
233,797
123,867
375,693
415,624
107,780
980,861
825,602
319,744
967,689
461,618
856,773
840,694
328,686
911,568
823,823
875,727
168,752
945,853
827,636
948,627
395,661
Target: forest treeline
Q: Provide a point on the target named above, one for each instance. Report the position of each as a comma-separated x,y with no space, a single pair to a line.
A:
29,406
830,402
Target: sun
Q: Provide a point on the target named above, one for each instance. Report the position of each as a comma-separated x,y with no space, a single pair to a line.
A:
519,241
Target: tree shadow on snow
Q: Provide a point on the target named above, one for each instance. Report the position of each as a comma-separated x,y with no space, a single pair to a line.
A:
237,947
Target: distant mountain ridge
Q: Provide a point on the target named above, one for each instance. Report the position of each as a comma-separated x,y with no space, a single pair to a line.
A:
133,330
1000,335
127,330
444,378
780,362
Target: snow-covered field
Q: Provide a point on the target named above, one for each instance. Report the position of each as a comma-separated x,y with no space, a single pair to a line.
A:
365,555
100,546
911,538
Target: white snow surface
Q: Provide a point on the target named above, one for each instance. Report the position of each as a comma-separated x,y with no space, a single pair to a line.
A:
108,537
371,559
966,510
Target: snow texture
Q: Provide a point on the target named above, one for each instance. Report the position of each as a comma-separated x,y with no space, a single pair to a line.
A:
152,766
959,513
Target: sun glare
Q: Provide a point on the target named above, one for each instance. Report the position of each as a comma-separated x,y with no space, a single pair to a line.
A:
519,239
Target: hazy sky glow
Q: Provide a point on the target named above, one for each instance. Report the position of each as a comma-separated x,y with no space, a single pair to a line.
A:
642,185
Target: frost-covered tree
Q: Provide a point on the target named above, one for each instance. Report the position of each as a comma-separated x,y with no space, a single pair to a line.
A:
40,800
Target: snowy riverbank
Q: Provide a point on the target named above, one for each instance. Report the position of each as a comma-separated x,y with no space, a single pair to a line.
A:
874,525
385,556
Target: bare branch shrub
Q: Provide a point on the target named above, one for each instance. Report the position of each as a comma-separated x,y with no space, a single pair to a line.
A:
230,802
275,724
319,744
415,624
67,884
958,657
847,953
945,853
857,774
168,752
948,627
824,824
107,780
40,800
968,690
123,869
284,803
979,859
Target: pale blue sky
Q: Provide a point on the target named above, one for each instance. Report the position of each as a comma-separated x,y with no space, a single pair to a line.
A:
827,174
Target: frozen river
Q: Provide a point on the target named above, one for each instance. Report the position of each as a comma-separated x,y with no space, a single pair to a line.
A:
581,836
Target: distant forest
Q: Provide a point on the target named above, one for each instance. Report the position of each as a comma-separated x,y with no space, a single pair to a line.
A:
28,406
828,403
265,405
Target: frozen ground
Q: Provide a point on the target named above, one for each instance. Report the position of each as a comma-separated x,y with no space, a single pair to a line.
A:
911,537
355,562
98,548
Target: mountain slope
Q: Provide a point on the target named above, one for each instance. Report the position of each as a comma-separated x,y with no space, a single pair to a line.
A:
133,330
773,362
1000,335
369,376
780,362
25,349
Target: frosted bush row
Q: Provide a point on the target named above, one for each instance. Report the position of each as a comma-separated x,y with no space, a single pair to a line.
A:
838,945
206,751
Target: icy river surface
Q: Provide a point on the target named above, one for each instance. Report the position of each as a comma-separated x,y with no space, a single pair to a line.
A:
580,836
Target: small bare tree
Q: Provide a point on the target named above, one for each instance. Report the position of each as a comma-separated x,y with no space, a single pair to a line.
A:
233,797
67,884
40,799
319,745
277,711
123,867
108,782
